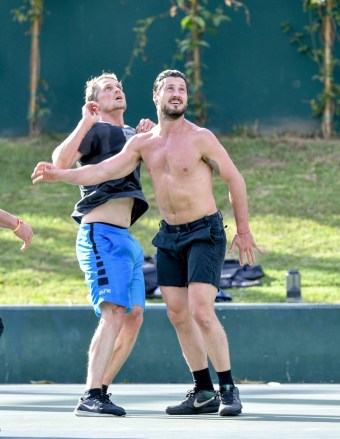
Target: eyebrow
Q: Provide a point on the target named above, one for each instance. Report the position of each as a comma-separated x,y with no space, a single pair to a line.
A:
109,84
171,84
180,87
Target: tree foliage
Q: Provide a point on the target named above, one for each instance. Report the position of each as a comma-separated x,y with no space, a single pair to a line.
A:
324,16
31,12
196,20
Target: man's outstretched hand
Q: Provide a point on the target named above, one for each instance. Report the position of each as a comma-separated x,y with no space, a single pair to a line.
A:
45,171
246,245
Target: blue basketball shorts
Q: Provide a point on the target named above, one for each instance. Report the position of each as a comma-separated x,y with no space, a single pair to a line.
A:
112,260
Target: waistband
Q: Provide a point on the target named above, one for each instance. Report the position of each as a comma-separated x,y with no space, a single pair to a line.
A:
105,227
109,224
189,226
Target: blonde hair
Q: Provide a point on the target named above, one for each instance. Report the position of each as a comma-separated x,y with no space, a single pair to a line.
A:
91,86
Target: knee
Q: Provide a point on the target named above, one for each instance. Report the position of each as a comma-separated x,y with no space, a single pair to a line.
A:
177,317
203,317
135,318
111,313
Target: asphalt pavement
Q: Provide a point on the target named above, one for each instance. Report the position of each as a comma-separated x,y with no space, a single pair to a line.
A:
271,411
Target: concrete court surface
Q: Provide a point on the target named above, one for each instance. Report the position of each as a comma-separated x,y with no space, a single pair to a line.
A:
270,411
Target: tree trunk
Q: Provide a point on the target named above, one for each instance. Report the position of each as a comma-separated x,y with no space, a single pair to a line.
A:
34,128
197,80
327,119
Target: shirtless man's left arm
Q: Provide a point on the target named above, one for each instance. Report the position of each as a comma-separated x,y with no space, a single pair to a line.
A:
215,155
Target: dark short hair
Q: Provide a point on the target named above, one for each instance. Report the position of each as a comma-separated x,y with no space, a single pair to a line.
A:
166,74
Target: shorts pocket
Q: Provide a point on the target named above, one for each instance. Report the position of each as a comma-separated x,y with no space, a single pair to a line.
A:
217,235
163,240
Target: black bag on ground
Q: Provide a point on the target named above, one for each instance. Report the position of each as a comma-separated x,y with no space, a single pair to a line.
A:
150,274
235,276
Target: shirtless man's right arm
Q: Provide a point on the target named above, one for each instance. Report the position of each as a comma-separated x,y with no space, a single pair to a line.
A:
115,167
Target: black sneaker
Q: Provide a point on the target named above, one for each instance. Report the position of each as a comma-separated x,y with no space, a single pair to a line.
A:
203,401
98,406
106,398
230,401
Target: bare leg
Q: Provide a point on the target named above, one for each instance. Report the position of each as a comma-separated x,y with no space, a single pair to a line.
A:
201,300
124,343
188,332
103,342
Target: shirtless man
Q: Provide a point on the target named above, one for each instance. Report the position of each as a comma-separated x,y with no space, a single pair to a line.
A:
181,158
109,256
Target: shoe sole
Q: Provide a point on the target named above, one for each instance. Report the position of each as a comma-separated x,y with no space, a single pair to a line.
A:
83,413
227,412
196,412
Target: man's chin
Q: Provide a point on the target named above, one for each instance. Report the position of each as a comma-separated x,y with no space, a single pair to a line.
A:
120,106
172,114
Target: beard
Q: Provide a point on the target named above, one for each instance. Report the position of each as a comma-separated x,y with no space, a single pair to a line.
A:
171,114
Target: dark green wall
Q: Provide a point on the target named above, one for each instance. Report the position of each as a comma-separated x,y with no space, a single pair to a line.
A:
287,343
253,73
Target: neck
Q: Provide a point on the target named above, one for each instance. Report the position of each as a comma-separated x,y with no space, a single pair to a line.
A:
166,125
115,117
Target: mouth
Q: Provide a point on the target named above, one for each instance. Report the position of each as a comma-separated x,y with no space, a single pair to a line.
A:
175,101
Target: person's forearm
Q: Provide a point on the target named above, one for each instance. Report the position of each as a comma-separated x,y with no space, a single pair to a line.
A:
239,202
65,155
7,220
85,176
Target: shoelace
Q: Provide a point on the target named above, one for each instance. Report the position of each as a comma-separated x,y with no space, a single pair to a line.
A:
227,397
106,398
192,392
97,398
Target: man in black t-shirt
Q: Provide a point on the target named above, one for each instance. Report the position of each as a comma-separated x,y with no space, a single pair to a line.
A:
107,253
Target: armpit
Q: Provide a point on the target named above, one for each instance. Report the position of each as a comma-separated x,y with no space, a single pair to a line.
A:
212,163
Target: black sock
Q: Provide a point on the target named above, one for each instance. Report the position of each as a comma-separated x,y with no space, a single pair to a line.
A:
92,393
202,380
225,378
104,389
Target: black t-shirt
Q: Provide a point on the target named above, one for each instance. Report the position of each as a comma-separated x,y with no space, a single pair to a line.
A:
102,141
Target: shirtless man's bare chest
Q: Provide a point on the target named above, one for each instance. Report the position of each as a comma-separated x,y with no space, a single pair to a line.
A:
180,177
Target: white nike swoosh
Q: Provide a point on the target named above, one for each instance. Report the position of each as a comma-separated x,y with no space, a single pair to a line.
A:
89,407
197,404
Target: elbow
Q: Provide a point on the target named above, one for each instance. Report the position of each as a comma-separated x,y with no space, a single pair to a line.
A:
62,163
59,163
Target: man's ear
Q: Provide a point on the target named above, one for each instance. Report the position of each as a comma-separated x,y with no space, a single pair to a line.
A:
155,98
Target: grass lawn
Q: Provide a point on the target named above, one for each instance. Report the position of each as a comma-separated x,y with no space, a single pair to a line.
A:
293,187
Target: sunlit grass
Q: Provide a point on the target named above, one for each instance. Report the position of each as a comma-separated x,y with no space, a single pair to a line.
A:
293,187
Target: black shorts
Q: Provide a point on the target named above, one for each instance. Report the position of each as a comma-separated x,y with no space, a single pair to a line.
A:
192,252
